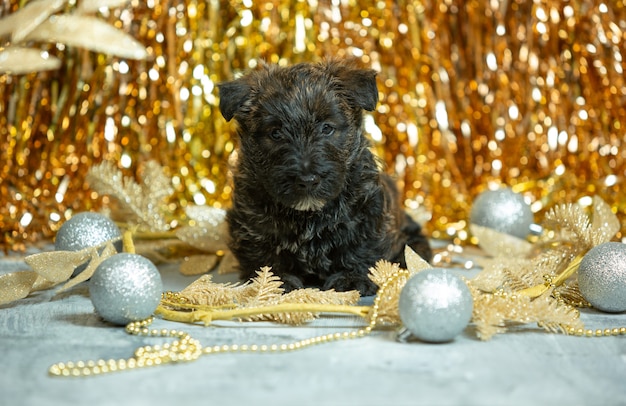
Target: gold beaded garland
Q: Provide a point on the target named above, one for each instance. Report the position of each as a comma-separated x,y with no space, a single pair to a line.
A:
186,348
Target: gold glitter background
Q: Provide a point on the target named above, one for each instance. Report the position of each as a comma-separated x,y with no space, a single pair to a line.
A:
473,94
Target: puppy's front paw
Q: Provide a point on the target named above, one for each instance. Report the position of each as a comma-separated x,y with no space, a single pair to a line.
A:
343,282
291,282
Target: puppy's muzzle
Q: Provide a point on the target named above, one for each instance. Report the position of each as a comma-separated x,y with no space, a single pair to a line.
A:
307,182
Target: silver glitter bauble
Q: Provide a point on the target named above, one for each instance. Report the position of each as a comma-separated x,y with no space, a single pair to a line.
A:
435,305
502,210
86,230
125,288
602,277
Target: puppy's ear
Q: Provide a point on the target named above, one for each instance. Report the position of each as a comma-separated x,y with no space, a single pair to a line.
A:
359,83
362,83
233,95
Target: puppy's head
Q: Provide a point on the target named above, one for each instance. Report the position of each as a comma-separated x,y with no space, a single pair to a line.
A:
300,127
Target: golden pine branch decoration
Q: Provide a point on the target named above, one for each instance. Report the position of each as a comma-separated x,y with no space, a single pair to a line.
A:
261,299
139,203
538,289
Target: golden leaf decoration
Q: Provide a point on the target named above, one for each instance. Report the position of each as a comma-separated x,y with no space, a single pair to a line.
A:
96,259
57,266
198,264
228,264
414,263
91,6
42,283
24,20
499,244
90,33
37,21
51,268
18,60
16,285
140,204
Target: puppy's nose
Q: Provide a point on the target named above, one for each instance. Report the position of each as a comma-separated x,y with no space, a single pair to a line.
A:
308,181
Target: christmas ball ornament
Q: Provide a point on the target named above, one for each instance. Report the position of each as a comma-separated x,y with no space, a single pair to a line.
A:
125,287
86,230
502,210
435,305
602,277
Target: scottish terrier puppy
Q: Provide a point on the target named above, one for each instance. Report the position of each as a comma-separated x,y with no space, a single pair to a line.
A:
309,198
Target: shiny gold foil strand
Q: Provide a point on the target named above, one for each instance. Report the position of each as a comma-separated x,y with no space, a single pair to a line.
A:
586,105
383,41
519,159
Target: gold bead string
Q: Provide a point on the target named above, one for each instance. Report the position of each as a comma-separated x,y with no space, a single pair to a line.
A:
186,348
607,332
581,332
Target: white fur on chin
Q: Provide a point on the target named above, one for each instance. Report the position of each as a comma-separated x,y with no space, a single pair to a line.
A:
309,204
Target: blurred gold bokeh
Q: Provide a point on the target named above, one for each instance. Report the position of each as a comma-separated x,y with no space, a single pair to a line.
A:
473,94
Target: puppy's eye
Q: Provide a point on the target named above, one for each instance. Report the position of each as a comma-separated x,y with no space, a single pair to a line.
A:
276,134
327,129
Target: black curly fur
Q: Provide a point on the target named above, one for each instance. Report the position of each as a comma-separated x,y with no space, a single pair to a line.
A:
309,199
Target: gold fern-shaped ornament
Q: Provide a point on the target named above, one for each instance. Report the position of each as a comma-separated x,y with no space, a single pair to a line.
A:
573,225
139,203
260,299
495,313
570,224
265,288
205,292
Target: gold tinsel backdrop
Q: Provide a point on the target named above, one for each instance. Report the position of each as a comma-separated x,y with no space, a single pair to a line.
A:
529,94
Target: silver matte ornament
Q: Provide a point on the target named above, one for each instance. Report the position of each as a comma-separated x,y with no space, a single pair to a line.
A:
602,277
125,288
502,210
85,230
435,305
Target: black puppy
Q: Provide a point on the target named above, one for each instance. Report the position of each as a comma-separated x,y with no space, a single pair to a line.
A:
309,199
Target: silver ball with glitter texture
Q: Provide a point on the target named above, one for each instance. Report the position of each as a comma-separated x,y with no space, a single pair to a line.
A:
85,230
502,210
435,305
602,277
125,287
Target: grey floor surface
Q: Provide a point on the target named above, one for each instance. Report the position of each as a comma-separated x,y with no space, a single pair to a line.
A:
525,367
